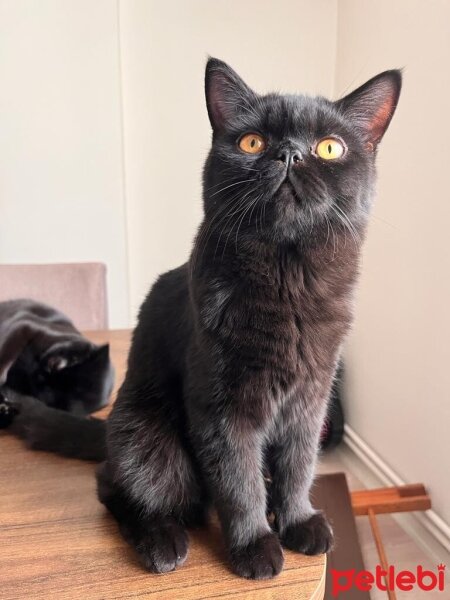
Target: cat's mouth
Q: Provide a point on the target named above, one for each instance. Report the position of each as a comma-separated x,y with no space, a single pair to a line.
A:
288,190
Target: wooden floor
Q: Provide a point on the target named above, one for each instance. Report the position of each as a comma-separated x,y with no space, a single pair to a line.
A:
58,542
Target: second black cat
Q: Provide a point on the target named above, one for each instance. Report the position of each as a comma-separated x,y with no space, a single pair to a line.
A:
47,370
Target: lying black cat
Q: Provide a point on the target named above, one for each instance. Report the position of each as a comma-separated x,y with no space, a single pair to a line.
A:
46,364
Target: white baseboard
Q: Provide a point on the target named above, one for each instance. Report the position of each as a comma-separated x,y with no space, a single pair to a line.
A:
427,528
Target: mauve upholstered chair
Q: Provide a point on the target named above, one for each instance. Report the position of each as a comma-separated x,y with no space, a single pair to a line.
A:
77,289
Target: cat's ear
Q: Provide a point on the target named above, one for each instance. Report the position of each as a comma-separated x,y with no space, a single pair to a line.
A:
372,105
226,94
102,352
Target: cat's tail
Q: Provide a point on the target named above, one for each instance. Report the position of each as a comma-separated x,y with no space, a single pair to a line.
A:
52,430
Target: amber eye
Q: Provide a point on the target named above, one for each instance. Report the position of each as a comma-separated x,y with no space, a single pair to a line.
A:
252,143
330,149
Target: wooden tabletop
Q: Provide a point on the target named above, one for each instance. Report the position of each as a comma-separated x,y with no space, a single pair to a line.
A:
57,542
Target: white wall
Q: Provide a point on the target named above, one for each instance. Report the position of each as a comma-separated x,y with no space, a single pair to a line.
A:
398,356
76,74
286,45
61,175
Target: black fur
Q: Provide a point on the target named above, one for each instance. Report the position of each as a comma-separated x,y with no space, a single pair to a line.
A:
234,354
51,378
54,430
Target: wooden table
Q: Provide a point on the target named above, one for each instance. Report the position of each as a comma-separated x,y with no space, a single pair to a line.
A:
58,542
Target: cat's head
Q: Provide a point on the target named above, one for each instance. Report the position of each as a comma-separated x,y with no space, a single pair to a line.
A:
290,167
75,376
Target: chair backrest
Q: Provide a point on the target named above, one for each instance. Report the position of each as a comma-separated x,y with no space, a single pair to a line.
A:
76,289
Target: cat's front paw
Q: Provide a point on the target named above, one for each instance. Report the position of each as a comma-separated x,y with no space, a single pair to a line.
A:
313,536
163,546
261,559
8,410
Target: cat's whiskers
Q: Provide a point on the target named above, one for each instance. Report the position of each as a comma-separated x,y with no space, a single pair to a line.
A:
216,221
251,206
311,219
264,213
251,214
344,226
327,220
351,228
226,204
232,185
203,237
233,179
335,240
347,225
241,208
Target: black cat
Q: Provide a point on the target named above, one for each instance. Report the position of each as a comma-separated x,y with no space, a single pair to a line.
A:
46,367
235,352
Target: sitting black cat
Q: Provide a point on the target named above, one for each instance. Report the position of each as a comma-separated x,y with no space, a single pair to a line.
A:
46,367
234,354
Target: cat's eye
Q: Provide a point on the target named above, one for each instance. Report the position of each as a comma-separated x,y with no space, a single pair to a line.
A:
330,149
252,143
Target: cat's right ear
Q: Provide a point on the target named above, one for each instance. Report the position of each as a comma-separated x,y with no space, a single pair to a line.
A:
226,94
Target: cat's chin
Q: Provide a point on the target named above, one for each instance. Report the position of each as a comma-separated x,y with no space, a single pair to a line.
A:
288,193
296,223
293,234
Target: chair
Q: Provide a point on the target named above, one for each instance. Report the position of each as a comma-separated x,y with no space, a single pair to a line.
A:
76,289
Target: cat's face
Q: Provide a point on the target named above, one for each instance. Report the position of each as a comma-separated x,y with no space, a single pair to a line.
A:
74,376
290,168
79,381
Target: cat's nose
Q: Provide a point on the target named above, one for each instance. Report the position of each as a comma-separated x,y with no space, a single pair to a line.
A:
290,157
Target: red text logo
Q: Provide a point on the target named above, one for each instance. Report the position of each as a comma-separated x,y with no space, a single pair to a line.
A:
388,580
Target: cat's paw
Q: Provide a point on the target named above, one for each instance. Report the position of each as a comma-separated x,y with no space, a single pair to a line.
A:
261,559
8,411
163,546
31,422
313,536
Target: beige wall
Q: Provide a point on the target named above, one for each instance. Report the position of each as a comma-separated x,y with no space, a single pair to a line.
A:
102,108
398,389
164,48
61,176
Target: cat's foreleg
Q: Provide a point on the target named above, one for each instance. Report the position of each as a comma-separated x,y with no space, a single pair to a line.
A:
160,540
293,460
149,482
231,458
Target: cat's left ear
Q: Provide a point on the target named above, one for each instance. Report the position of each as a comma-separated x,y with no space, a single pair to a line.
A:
102,352
226,94
372,106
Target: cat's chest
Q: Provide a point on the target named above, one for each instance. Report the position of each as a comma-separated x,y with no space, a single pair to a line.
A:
279,319
284,324
285,315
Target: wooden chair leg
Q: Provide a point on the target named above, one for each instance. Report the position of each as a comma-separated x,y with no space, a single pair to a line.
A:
402,498
381,551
